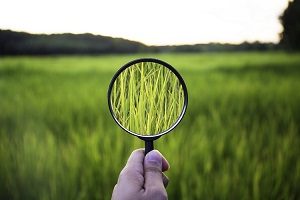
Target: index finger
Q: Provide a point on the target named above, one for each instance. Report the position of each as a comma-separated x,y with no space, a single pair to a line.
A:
134,168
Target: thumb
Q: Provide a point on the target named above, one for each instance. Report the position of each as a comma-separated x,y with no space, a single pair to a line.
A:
153,171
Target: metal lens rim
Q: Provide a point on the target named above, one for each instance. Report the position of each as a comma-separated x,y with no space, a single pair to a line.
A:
147,137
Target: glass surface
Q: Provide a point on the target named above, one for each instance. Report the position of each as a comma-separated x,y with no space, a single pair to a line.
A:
147,98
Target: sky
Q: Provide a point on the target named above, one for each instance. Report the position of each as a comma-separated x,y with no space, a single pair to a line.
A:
152,22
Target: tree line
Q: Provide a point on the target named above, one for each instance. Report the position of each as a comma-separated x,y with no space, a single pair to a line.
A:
21,43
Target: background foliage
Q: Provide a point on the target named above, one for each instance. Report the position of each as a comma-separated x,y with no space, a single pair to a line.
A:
290,37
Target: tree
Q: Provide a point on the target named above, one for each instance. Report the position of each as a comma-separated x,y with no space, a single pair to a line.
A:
290,19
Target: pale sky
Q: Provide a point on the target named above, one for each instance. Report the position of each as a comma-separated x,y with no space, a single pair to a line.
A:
153,22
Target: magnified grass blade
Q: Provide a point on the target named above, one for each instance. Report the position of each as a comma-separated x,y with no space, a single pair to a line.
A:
147,98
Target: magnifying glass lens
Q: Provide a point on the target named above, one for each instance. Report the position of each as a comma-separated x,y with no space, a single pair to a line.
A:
147,98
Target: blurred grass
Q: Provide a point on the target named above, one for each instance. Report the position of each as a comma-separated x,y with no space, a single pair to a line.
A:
239,139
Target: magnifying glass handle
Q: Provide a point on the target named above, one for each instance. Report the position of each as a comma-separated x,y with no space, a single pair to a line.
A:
148,146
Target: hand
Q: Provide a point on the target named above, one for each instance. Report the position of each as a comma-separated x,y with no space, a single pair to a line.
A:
142,177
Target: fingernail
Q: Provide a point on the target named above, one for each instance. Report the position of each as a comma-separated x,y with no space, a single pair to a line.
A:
154,156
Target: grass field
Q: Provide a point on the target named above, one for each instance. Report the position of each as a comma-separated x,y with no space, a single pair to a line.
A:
239,139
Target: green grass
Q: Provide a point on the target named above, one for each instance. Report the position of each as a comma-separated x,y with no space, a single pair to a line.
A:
238,140
147,98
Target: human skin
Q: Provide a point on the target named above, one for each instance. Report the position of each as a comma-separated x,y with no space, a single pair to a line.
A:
142,177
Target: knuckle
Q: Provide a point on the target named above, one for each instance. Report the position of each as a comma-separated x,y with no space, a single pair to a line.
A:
128,174
137,151
124,173
153,168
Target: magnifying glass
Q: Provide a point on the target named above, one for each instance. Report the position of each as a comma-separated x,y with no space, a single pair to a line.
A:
147,98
